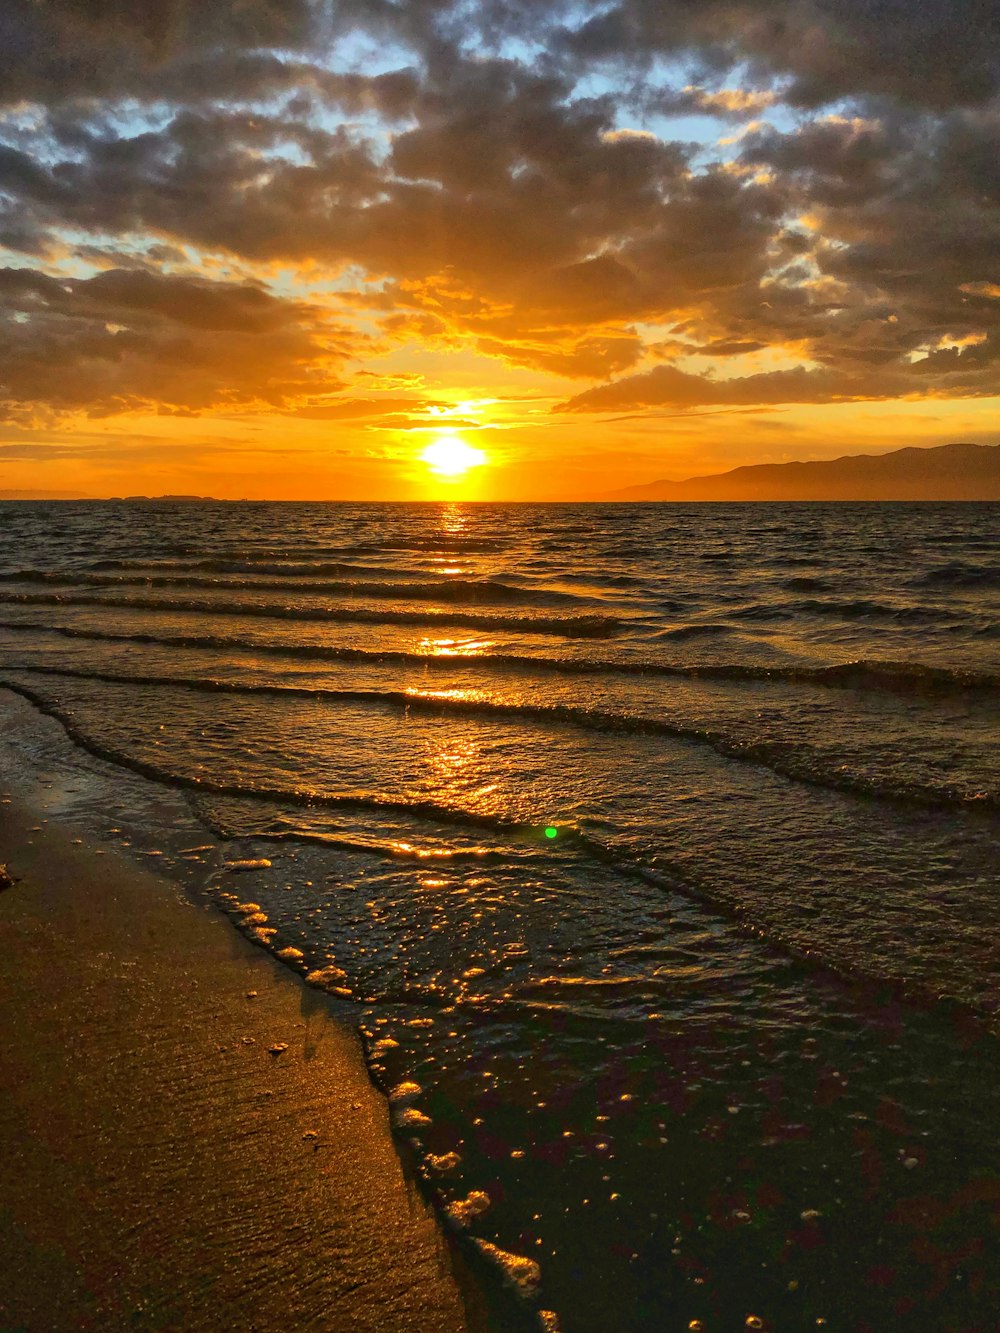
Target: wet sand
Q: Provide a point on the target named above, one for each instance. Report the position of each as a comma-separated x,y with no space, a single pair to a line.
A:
159,1167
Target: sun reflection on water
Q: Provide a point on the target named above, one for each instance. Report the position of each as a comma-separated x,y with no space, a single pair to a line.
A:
453,519
455,693
421,853
455,647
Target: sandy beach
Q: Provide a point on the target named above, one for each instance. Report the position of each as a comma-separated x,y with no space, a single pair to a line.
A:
188,1135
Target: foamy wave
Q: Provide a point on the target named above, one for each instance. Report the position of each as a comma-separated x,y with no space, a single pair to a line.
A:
799,762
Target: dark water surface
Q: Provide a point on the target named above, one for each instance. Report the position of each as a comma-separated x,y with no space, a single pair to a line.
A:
656,845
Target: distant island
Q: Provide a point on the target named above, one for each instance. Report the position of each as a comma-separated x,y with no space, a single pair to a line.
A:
111,499
948,472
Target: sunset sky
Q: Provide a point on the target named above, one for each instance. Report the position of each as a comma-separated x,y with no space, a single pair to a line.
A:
284,249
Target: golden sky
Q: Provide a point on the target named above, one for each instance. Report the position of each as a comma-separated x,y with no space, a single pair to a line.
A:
282,251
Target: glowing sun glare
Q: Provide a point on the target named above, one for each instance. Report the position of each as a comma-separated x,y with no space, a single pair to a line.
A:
449,456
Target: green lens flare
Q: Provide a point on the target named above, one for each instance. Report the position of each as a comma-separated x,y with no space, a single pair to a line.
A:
551,832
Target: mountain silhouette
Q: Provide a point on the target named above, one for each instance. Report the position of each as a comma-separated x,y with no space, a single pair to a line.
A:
948,472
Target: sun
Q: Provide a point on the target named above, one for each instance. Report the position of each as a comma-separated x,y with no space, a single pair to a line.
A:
450,456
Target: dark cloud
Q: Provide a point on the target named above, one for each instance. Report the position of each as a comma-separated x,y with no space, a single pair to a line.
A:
65,49
937,53
128,340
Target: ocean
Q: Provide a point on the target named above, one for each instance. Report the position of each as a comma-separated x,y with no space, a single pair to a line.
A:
652,848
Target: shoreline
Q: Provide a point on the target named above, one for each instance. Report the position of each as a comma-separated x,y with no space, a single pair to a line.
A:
160,1166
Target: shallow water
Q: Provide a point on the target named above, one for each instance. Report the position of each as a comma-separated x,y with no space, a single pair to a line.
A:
656,845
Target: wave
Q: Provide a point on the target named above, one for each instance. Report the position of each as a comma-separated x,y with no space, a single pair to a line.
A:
684,879
299,566
866,609
960,576
860,609
445,543
795,761
461,591
176,556
900,678
288,796
806,583
903,678
573,627
694,631
385,849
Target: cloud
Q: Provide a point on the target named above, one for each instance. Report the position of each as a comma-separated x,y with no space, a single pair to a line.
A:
735,104
955,372
668,386
527,206
109,48
586,358
128,340
932,54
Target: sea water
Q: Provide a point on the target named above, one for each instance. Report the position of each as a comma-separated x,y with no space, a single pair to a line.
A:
652,848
